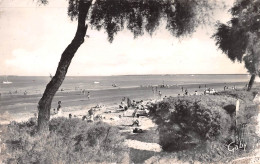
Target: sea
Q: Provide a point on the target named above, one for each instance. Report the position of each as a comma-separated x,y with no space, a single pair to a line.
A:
105,90
37,84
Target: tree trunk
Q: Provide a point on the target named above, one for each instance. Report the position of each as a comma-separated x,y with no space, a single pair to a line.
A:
251,82
52,87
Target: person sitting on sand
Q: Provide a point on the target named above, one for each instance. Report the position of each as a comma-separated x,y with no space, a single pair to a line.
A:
70,116
135,111
91,114
122,105
84,118
134,103
186,92
196,93
135,122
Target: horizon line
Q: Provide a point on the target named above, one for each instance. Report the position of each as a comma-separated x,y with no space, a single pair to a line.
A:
137,74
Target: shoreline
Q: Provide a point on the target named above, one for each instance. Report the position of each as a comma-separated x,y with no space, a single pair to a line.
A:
20,106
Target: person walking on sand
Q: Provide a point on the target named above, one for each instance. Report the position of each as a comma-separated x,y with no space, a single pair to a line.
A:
88,95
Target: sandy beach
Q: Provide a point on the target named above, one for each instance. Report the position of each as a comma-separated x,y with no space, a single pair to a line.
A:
16,107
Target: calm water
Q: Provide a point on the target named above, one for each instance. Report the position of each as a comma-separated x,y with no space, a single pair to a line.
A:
37,84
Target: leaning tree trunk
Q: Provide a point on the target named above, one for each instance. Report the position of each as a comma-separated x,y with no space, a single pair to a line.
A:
44,104
251,82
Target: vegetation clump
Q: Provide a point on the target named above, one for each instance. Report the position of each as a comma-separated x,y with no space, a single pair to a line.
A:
185,122
69,141
201,128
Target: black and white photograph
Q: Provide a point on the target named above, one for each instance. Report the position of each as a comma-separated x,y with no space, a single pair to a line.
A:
130,81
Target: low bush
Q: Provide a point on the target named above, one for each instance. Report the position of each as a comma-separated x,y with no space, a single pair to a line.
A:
185,122
200,128
69,141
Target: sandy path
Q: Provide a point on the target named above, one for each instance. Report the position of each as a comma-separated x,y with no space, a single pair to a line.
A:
143,145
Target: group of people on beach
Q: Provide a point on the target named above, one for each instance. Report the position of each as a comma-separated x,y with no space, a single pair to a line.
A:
16,92
155,91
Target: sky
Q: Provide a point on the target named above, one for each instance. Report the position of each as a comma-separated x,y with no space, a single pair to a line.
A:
33,38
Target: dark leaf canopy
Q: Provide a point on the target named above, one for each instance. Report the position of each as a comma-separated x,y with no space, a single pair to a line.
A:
181,17
232,42
239,37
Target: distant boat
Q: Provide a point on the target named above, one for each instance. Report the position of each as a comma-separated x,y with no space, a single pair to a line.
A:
114,85
6,81
96,82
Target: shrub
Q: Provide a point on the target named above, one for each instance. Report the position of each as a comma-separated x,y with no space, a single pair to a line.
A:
185,122
69,141
205,125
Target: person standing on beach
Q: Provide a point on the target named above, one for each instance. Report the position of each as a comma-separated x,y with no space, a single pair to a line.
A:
59,108
199,86
182,89
160,94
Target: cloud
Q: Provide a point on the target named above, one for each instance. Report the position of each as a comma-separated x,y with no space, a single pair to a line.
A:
32,63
